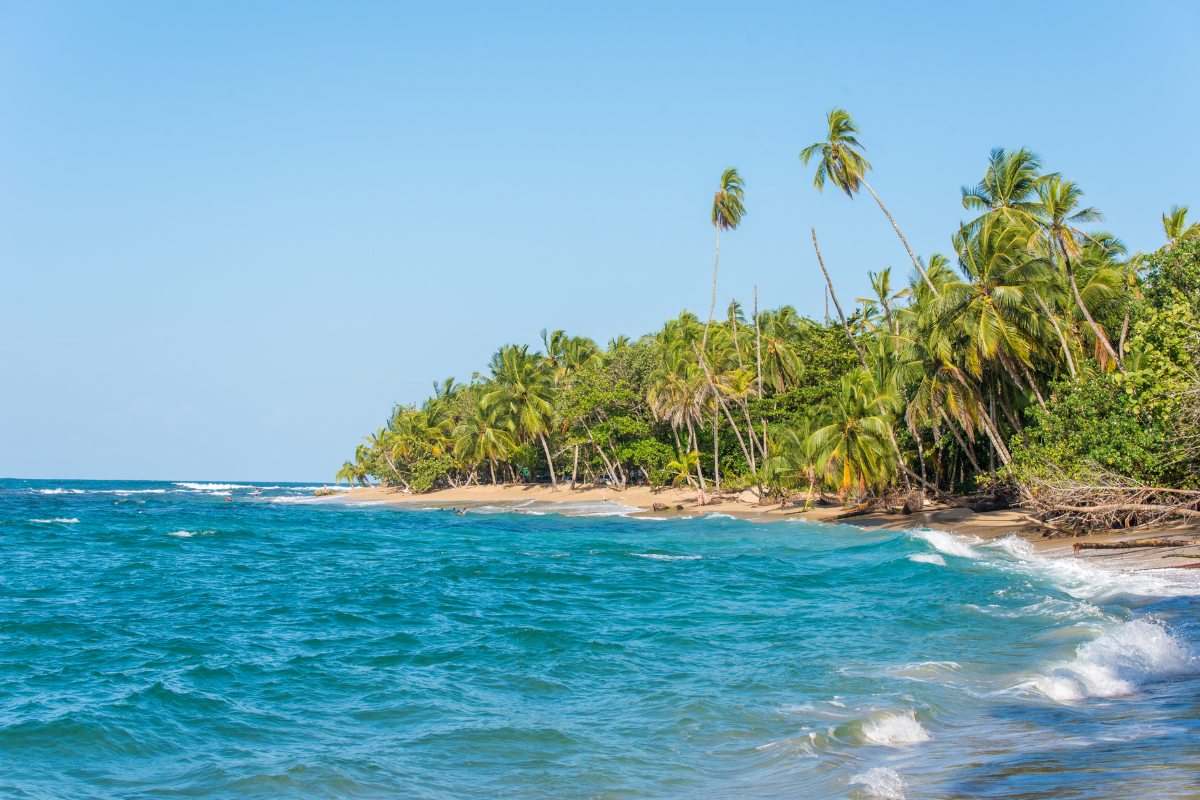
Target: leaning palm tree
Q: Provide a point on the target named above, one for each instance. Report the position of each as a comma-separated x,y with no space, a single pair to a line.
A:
727,213
844,165
1176,228
1060,214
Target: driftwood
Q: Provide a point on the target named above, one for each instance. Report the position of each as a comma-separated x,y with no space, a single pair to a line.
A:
1128,545
660,506
1096,498
1047,525
857,511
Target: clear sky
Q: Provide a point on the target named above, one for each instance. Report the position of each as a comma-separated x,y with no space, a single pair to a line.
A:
232,235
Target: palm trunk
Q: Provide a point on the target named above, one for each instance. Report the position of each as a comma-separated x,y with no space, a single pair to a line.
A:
549,463
836,304
737,348
717,397
492,469
713,307
716,449
969,452
1124,330
574,467
603,457
757,347
1033,385
916,263
1061,338
1087,314
753,438
696,446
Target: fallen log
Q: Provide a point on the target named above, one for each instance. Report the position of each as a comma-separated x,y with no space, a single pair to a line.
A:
1144,507
857,511
1046,525
1128,545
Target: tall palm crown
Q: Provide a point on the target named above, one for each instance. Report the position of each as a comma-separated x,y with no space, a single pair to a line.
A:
841,161
1176,228
1056,229
1008,189
728,208
727,211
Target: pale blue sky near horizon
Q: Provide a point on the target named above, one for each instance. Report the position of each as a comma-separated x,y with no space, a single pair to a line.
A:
233,235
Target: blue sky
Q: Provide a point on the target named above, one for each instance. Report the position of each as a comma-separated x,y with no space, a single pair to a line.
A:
233,235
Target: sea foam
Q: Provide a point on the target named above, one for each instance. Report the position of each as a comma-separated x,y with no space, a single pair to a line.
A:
928,558
947,543
894,729
1118,663
56,519
881,782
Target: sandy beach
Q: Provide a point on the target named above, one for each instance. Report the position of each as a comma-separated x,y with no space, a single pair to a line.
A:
986,525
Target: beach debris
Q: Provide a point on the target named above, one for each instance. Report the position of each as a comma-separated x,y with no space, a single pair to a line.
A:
1130,544
1095,498
914,503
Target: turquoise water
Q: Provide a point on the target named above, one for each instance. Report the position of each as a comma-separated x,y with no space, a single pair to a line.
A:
158,641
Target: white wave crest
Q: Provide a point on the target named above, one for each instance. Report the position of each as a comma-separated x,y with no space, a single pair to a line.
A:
59,491
717,515
928,558
212,487
881,782
1119,662
661,557
56,519
190,533
1080,579
131,491
895,729
948,543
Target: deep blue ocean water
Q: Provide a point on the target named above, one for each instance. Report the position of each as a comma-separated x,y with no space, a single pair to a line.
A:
157,641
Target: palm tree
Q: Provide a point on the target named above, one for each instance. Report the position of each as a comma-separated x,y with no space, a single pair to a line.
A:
483,435
1060,213
682,465
854,444
1008,189
882,284
1176,228
524,392
727,213
844,165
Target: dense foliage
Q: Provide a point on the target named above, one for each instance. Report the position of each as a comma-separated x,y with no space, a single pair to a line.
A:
1037,346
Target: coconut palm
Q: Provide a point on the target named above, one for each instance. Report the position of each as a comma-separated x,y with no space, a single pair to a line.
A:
1176,228
854,444
1008,189
727,213
882,284
843,164
682,465
1056,230
525,394
482,435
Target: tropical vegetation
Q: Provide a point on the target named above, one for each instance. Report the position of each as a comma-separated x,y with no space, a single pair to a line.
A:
1035,345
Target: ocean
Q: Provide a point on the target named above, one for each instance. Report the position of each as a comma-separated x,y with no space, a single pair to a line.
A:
158,641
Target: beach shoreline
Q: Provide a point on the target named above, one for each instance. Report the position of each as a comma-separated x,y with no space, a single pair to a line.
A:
985,525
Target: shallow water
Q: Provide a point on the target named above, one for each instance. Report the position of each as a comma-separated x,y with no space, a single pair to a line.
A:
158,641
